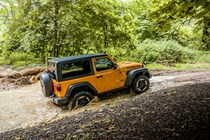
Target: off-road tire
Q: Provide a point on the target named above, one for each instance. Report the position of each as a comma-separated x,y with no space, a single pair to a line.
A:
140,84
80,99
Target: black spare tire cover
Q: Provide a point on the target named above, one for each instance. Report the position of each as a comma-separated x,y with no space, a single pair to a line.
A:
46,84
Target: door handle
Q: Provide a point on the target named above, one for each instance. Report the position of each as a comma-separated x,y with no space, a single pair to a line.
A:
100,76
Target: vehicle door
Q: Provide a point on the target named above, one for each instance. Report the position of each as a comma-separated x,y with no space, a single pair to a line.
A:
107,75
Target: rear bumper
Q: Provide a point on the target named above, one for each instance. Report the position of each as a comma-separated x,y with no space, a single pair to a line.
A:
60,101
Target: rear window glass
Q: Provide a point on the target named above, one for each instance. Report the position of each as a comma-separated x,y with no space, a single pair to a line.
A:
74,69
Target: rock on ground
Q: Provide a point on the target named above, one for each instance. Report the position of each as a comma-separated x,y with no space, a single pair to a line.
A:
174,113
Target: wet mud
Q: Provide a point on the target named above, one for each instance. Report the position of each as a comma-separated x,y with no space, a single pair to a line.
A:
25,106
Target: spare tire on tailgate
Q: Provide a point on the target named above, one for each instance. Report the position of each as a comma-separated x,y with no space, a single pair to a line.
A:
46,84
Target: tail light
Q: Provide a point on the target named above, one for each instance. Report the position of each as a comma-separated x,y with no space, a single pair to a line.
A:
58,87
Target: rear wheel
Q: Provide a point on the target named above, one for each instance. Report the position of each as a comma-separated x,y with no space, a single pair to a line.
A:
140,84
81,98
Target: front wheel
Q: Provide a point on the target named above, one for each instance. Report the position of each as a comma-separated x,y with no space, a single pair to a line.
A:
140,84
81,98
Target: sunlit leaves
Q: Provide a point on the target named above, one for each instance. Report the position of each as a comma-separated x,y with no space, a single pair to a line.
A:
173,11
83,26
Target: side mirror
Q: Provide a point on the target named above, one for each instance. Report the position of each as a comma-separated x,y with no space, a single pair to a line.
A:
115,66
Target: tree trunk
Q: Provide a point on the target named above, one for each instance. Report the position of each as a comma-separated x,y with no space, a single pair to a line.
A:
105,35
55,42
206,34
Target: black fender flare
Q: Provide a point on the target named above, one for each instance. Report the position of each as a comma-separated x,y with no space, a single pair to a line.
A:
131,74
69,92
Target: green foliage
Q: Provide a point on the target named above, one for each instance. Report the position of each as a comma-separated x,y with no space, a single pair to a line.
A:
4,62
166,12
162,51
68,28
125,30
13,57
181,66
157,66
18,59
178,66
186,36
203,57
181,8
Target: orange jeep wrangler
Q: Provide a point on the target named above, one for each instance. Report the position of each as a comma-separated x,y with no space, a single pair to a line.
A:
75,80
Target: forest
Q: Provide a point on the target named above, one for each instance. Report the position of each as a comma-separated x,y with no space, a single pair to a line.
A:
148,31
170,37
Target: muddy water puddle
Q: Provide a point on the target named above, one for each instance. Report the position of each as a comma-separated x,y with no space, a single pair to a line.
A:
24,106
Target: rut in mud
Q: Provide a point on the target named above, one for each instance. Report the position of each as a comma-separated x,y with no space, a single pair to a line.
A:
26,106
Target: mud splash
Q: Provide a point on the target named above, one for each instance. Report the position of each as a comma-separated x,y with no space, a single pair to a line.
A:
161,82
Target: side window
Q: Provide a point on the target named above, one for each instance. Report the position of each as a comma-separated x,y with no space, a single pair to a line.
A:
75,69
103,64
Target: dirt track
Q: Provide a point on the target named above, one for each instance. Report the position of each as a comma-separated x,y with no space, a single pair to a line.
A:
174,113
26,105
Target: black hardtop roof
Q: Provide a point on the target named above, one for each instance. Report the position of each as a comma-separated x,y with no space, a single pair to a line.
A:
70,58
